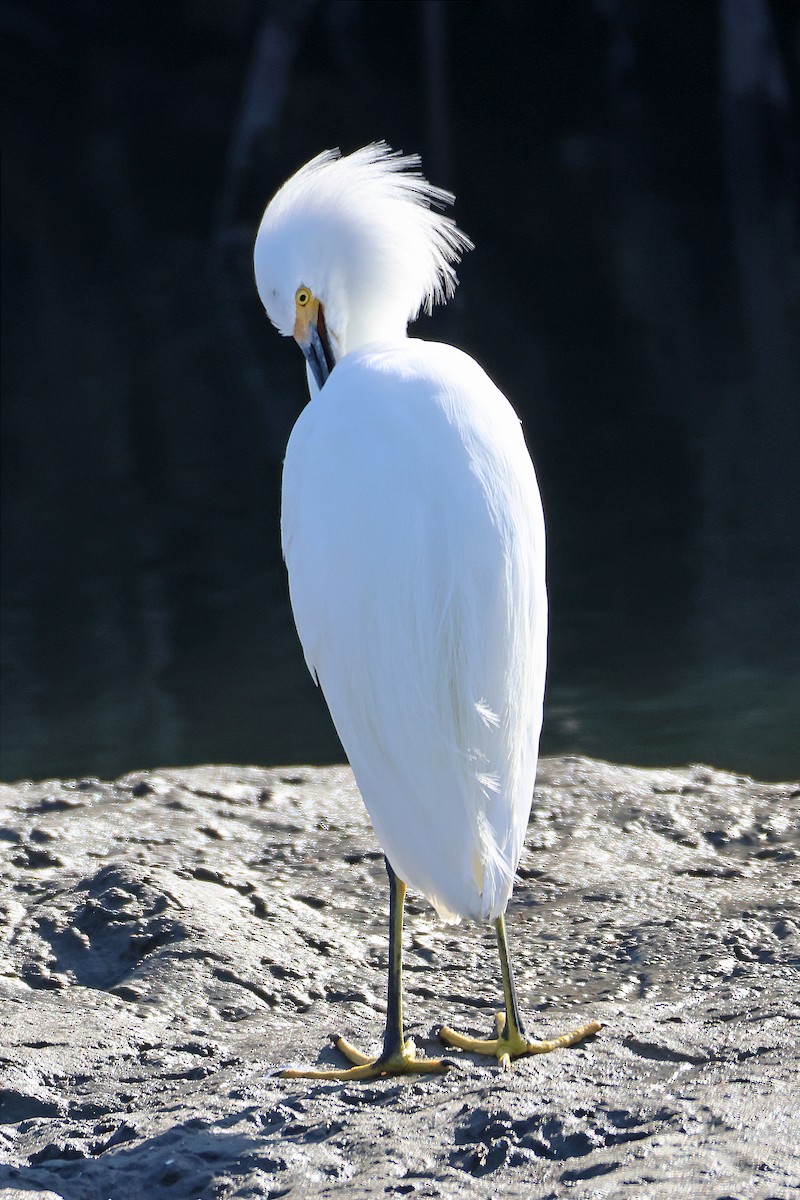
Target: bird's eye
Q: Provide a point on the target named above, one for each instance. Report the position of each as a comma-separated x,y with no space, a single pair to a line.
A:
302,296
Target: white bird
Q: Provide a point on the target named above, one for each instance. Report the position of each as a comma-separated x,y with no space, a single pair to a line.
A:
414,540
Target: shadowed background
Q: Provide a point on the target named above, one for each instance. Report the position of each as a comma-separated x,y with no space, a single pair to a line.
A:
630,176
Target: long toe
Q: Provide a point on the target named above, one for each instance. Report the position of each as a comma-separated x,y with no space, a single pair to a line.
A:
350,1051
510,1044
404,1062
573,1038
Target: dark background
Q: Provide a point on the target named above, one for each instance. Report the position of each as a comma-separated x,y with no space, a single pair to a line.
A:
630,175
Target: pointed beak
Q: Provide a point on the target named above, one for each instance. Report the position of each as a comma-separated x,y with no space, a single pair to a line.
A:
311,335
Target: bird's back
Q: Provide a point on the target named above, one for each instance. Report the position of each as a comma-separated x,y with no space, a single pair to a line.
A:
414,540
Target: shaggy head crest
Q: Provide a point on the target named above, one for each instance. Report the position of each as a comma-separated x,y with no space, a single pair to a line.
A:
365,233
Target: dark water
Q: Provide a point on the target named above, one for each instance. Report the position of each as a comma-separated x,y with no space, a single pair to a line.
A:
633,199
115,665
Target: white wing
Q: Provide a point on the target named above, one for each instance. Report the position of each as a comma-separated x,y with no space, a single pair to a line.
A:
414,539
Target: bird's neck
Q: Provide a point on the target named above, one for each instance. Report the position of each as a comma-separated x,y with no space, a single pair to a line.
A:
374,327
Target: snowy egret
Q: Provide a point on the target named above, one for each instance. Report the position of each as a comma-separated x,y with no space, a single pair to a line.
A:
413,536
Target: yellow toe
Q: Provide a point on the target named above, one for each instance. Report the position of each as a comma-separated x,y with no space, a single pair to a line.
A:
510,1044
405,1062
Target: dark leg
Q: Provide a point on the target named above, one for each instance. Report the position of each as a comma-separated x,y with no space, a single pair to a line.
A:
393,1038
399,1057
513,1015
512,1040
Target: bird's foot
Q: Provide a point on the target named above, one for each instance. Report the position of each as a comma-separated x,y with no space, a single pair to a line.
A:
510,1043
399,1062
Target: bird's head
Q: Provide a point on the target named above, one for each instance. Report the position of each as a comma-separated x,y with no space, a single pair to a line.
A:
351,249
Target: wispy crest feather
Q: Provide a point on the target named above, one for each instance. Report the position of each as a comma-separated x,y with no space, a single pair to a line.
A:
374,230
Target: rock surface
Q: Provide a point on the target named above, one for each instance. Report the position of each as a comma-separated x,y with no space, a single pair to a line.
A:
169,939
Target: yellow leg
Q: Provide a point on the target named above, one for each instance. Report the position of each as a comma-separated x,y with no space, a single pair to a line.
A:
399,1056
512,1041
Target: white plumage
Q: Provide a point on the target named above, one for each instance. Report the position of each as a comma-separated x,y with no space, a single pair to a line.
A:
361,233
412,531
414,539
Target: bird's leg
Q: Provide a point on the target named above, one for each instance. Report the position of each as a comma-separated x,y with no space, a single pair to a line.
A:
398,1057
512,1040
